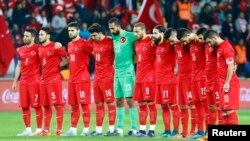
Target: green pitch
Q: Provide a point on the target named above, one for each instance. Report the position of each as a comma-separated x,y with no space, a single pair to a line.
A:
11,124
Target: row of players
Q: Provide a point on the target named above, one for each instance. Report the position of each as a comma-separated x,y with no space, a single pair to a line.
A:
206,84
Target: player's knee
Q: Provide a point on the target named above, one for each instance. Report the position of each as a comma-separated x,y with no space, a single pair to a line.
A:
212,107
110,103
163,106
141,103
120,102
99,103
184,107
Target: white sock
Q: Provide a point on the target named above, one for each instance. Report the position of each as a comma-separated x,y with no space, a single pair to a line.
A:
86,130
120,131
133,130
143,127
98,129
38,129
111,128
73,129
28,129
152,127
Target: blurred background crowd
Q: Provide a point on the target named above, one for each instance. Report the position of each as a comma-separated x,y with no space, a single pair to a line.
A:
229,17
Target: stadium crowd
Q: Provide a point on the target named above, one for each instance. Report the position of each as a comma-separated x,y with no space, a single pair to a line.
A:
229,17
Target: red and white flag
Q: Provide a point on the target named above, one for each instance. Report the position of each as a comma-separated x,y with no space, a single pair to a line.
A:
7,48
150,14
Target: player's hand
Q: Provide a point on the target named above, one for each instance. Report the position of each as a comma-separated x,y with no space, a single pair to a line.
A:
13,87
226,87
57,45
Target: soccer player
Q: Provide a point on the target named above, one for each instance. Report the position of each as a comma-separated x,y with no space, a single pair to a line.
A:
79,51
185,97
104,78
144,91
124,74
29,68
197,52
228,80
166,89
51,82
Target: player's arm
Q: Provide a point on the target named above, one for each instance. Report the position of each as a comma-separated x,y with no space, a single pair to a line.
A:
17,74
230,71
64,61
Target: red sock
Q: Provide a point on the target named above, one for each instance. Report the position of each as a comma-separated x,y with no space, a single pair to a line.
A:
143,113
232,118
39,117
75,114
176,116
212,116
86,115
200,115
100,112
221,118
193,120
166,117
112,114
152,113
47,117
59,116
205,106
26,116
184,121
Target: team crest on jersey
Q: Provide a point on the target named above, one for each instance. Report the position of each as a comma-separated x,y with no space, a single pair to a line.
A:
123,39
49,53
163,50
33,53
102,49
77,49
144,49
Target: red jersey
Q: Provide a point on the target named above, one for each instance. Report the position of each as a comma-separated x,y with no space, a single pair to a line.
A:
184,61
79,53
30,64
50,61
165,63
145,54
104,60
225,55
211,64
197,52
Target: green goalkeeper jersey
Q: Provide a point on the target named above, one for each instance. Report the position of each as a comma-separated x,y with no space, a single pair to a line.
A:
124,54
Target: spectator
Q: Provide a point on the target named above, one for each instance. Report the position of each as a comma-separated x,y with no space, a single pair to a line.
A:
227,28
206,15
58,23
184,13
240,58
75,18
42,18
241,24
84,33
172,17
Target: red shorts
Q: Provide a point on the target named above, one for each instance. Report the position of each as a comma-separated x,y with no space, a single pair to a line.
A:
51,93
198,89
213,95
230,100
29,95
144,91
79,93
104,92
185,96
166,94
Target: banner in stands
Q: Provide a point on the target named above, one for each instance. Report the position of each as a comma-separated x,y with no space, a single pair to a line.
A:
10,100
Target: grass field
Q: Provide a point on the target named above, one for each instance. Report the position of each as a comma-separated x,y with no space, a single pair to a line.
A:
11,124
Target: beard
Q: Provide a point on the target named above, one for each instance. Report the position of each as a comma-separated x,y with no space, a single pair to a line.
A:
72,37
43,41
156,40
116,33
27,42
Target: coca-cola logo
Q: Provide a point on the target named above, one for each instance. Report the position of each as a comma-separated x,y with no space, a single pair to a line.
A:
245,94
10,97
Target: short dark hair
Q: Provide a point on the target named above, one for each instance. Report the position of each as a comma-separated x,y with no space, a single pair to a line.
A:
32,31
169,32
210,33
201,31
160,28
141,25
95,27
182,32
74,24
46,30
115,21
